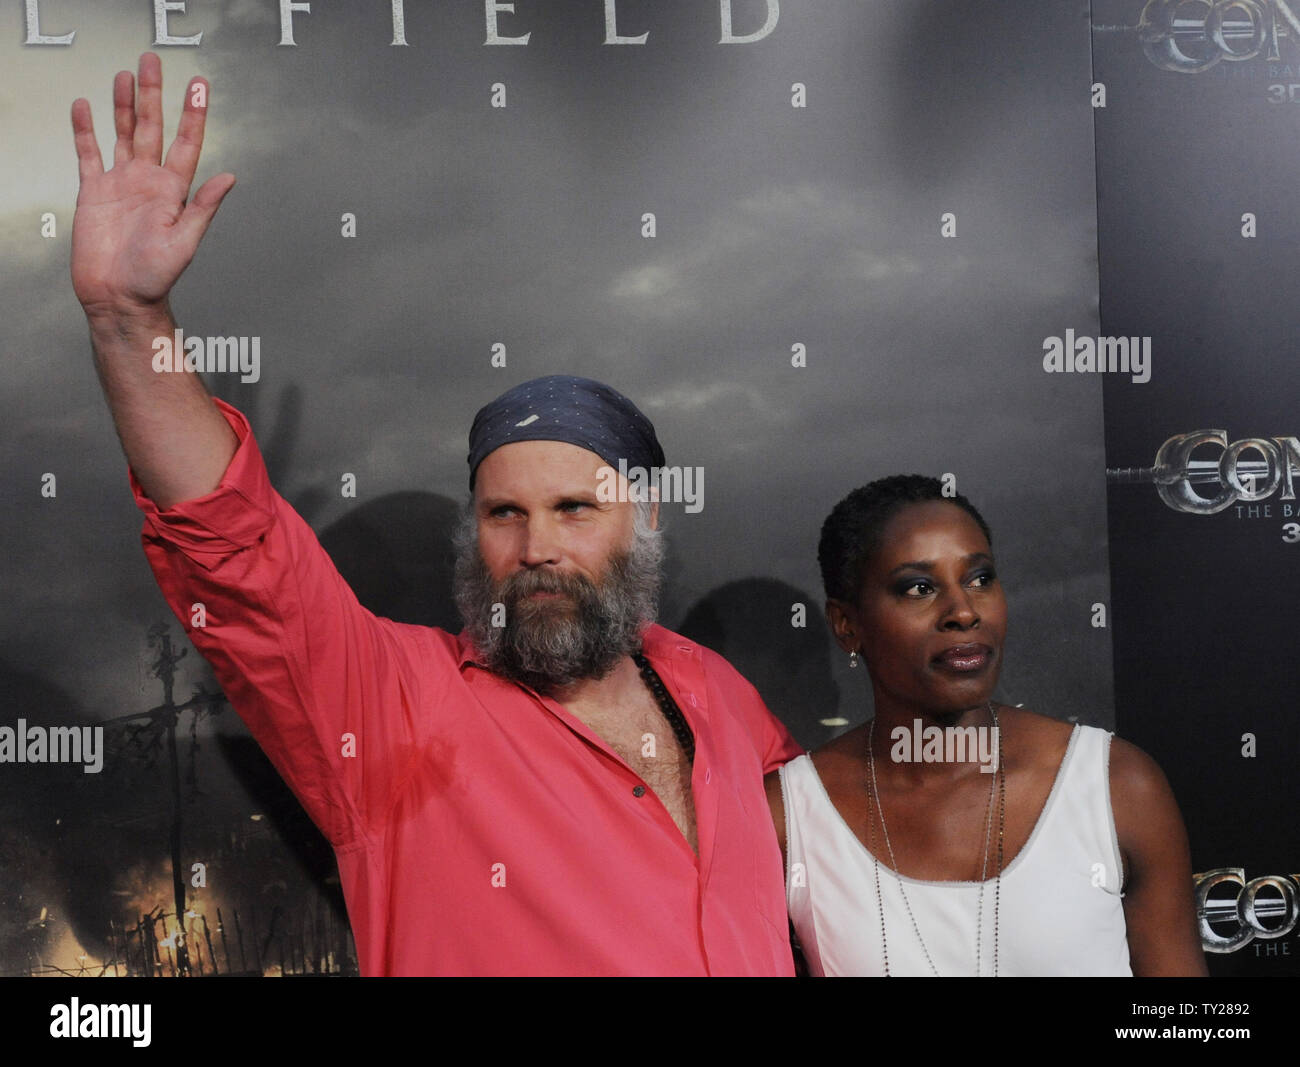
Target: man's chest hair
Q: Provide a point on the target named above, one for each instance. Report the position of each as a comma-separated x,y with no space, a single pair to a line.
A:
637,730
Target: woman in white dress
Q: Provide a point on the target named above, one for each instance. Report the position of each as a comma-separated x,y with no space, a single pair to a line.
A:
952,835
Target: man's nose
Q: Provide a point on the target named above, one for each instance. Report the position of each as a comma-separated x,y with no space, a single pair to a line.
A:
540,544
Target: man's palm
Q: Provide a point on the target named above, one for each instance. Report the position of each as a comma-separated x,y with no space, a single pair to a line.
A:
134,233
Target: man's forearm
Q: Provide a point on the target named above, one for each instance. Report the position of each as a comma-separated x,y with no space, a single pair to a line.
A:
174,437
135,231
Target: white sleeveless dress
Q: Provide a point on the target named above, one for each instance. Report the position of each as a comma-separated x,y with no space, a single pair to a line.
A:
1060,911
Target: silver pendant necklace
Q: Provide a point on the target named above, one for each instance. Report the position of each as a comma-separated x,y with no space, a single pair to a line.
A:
1000,785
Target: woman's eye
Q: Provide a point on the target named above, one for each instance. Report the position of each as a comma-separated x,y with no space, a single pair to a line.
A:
918,587
984,579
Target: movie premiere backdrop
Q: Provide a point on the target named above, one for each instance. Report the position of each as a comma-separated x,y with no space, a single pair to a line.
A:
1197,149
816,242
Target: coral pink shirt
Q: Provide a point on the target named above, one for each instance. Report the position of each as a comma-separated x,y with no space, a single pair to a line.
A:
479,828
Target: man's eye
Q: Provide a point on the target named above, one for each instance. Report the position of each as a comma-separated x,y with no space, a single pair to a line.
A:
572,506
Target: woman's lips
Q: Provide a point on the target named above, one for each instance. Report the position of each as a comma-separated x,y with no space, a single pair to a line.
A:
965,658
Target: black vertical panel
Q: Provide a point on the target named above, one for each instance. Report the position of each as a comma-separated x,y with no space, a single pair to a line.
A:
1190,143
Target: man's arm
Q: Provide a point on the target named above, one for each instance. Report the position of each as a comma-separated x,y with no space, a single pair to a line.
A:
772,741
779,745
333,695
133,235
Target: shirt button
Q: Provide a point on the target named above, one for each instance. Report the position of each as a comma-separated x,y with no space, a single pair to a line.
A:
638,790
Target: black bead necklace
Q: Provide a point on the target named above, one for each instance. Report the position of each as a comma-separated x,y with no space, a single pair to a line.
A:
681,728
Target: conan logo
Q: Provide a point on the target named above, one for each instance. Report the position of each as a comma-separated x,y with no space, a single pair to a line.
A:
1231,477
1244,911
1190,36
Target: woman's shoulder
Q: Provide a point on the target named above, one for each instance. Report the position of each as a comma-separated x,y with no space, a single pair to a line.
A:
1028,721
1132,771
842,755
1029,736
1134,776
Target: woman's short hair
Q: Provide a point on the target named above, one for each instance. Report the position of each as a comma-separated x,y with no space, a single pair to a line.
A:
852,531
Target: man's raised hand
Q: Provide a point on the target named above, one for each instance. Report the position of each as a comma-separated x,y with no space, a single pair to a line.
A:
134,233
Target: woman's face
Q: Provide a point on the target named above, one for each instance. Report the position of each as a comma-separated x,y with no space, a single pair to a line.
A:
931,618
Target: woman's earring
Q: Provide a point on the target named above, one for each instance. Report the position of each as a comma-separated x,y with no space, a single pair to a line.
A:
853,658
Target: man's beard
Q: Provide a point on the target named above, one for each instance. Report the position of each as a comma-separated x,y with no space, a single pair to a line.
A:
551,642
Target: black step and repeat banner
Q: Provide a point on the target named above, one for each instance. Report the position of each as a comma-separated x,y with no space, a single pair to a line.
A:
817,242
1196,163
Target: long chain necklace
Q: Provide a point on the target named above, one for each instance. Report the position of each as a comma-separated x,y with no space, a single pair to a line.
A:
1001,785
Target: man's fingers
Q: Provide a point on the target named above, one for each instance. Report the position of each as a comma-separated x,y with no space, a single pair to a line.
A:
148,124
198,213
183,156
123,116
83,136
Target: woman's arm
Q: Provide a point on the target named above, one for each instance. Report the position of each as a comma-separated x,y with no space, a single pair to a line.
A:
774,801
1159,906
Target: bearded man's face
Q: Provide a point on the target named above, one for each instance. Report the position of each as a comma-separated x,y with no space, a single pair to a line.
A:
554,585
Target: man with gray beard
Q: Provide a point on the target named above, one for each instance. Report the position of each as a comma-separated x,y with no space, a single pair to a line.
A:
545,649
565,787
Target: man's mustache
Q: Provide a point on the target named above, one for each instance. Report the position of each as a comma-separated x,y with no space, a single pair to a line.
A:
522,584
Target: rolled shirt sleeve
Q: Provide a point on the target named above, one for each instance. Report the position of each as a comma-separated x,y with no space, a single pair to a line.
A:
305,665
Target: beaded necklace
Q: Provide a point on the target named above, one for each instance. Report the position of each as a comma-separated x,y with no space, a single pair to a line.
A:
681,728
